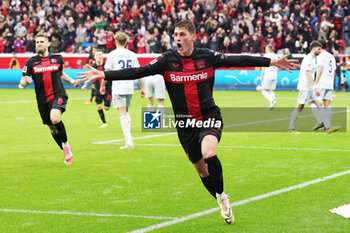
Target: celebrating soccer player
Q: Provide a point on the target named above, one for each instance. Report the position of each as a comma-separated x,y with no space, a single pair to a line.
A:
189,77
47,73
103,91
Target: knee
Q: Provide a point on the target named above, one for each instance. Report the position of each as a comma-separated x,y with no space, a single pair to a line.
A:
99,107
55,120
209,152
107,108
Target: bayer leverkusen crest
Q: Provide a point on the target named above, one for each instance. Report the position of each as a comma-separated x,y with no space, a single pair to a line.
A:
53,60
200,64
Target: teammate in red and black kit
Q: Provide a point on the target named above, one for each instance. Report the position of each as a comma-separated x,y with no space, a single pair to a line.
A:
103,91
47,73
189,78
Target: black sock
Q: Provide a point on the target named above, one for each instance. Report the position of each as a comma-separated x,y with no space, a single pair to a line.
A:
57,139
215,170
209,184
92,94
102,115
61,131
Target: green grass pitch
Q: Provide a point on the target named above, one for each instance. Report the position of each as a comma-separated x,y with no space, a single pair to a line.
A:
156,179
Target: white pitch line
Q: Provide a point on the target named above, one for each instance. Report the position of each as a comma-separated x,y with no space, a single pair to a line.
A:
33,101
238,203
143,137
83,214
277,119
248,147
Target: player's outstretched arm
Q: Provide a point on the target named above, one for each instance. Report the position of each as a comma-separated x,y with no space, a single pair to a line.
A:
91,75
68,79
25,81
283,63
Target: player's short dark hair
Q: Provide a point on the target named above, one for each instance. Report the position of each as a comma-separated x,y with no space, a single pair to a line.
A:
187,24
323,44
314,44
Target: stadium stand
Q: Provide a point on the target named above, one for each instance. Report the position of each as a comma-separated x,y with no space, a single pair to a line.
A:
226,26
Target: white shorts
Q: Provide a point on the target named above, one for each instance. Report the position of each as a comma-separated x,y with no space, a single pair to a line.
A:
155,85
306,97
269,84
121,100
325,94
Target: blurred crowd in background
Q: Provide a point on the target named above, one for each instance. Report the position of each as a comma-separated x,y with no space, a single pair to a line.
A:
228,26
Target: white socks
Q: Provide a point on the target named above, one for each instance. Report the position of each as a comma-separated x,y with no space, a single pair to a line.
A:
220,196
65,144
125,122
266,95
317,113
293,118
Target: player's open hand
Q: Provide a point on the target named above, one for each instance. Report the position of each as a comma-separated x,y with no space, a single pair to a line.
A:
285,64
91,75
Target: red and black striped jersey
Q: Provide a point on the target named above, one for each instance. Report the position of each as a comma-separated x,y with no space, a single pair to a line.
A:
46,73
97,83
189,80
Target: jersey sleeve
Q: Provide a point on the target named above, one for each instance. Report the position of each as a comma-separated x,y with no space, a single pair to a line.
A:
156,66
60,60
27,69
221,60
308,64
108,64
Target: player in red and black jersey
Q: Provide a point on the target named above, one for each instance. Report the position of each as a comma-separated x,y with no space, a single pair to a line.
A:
47,73
103,91
189,77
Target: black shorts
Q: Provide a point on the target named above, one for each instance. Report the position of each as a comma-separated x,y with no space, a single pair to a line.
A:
191,140
107,99
45,108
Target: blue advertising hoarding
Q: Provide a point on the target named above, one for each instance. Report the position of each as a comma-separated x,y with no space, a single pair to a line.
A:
240,80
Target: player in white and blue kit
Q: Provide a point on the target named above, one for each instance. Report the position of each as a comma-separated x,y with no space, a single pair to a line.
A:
326,66
122,91
154,87
306,85
269,79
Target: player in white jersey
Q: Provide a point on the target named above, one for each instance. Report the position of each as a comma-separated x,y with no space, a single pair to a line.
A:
154,86
122,91
326,66
269,79
306,86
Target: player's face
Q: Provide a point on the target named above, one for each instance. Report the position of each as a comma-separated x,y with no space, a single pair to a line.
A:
41,45
317,51
184,41
98,57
